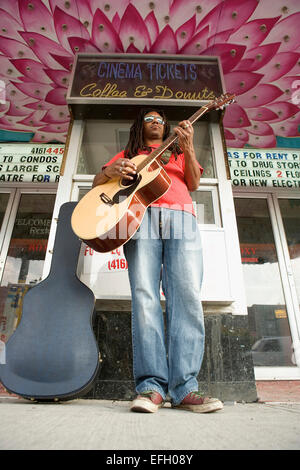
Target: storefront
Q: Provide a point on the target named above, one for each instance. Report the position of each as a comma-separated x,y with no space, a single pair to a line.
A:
267,202
247,209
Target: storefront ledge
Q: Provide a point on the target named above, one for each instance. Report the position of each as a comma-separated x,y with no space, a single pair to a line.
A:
225,391
227,368
210,307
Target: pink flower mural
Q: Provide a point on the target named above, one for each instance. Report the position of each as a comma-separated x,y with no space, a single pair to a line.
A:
258,44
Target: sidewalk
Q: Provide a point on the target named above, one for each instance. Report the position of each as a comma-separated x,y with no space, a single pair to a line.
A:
109,425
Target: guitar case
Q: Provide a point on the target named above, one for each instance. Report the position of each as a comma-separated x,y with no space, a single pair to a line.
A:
53,354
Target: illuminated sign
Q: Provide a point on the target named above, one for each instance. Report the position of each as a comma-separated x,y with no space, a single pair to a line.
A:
274,168
97,78
30,163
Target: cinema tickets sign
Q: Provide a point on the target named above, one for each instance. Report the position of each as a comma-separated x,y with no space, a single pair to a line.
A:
274,168
138,78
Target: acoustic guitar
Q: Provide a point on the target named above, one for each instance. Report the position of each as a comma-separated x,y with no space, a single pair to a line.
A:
110,213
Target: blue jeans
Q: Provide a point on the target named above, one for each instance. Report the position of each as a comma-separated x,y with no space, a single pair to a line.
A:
167,246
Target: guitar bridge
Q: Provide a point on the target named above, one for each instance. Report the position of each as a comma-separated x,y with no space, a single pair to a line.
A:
106,199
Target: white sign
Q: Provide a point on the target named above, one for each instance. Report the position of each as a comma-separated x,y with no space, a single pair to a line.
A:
260,168
2,352
30,163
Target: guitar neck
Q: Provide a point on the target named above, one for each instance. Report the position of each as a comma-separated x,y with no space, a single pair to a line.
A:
170,140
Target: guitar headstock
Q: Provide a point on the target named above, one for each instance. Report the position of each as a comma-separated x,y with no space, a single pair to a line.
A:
222,101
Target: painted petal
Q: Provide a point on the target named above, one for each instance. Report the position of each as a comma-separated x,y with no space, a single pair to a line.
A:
160,8
34,119
261,114
44,47
104,36
39,105
244,65
259,96
132,49
165,43
260,128
35,90
109,8
240,82
48,137
7,69
228,134
279,65
116,22
235,116
4,107
287,129
152,26
10,7
296,69
185,32
283,110
80,10
58,127
60,77
288,84
13,93
287,32
235,143
262,141
261,55
220,37
197,44
15,49
31,69
270,7
254,32
37,18
82,45
57,96
10,123
182,9
57,114
230,54
9,25
17,110
65,62
240,138
232,14
133,30
240,134
67,26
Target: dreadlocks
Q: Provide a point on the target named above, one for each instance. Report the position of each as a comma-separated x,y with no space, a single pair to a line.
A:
136,140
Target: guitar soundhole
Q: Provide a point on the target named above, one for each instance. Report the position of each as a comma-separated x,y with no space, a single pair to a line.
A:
125,182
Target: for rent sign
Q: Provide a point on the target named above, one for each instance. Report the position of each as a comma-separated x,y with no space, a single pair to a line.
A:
268,168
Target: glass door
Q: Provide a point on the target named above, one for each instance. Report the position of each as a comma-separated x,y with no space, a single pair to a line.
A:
27,225
271,312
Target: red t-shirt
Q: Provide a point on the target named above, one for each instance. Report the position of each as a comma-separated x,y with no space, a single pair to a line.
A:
177,197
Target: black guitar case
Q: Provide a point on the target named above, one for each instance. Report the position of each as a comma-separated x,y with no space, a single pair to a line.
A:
53,354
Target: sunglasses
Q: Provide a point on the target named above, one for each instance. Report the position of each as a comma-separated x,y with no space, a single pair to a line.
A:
151,118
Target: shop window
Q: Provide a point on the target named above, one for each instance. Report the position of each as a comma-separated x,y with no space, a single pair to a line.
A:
268,320
290,213
4,197
103,139
24,259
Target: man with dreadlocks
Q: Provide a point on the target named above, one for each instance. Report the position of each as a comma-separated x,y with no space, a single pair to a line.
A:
166,247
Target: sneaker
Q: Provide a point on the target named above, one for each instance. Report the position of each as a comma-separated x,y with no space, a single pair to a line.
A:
147,402
195,401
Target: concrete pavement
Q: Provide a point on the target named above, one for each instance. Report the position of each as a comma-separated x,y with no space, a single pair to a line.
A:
108,425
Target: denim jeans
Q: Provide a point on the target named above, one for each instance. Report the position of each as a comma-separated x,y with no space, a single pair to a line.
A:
167,246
